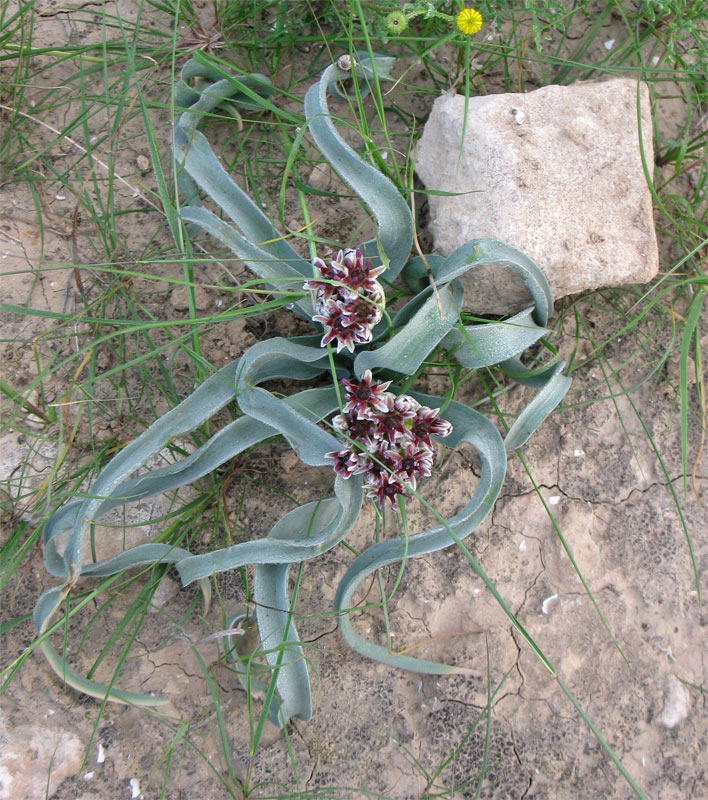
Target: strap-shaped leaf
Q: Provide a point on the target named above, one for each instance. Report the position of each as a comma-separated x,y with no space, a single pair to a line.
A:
280,358
365,74
281,276
194,154
520,373
468,426
483,345
248,91
554,390
303,533
393,217
415,275
47,605
281,644
224,445
482,252
202,404
243,667
407,350
308,440
242,91
100,691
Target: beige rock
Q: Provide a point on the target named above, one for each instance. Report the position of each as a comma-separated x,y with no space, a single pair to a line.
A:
36,759
676,704
556,173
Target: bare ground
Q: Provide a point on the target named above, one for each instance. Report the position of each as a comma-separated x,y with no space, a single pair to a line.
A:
375,731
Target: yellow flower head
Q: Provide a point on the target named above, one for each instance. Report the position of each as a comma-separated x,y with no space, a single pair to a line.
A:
469,20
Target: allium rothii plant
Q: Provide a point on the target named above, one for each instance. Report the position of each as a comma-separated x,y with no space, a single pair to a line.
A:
381,440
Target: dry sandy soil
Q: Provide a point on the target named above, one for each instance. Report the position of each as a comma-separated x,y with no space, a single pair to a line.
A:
376,730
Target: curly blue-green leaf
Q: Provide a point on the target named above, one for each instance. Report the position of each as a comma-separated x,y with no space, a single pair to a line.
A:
281,644
303,533
407,350
482,252
393,217
281,276
554,390
476,346
468,426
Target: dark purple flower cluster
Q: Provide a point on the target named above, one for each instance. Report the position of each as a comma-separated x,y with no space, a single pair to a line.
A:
348,299
389,438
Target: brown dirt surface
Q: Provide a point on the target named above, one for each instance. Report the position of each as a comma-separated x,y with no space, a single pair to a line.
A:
375,732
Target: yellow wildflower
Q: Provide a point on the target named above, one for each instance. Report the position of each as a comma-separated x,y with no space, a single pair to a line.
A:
469,20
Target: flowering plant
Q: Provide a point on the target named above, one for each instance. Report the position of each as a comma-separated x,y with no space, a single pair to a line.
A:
469,20
379,442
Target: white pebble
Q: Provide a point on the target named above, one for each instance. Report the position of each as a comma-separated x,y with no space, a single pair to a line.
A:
519,116
609,44
101,757
135,788
60,197
554,500
677,704
547,602
578,453
88,776
522,545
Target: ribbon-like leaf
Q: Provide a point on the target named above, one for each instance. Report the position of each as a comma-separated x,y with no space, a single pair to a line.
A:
393,217
468,426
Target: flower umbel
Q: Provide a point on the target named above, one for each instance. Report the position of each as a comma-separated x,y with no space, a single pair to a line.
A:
348,299
469,21
388,438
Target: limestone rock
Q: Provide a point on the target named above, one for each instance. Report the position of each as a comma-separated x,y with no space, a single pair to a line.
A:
556,173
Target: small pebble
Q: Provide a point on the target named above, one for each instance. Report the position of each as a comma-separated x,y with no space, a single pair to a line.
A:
547,602
676,704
